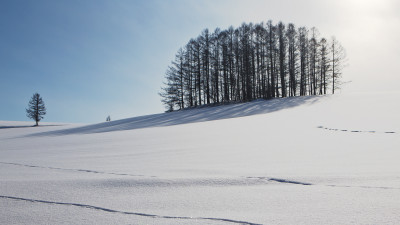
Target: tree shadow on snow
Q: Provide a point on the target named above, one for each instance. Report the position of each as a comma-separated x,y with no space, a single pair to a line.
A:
26,126
194,115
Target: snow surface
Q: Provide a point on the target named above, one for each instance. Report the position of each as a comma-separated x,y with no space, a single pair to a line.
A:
302,160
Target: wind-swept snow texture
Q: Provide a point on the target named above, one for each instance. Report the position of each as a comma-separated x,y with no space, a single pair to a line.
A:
303,160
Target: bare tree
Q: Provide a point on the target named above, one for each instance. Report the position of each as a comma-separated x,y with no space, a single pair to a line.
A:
338,63
292,58
272,50
324,65
303,49
313,61
282,57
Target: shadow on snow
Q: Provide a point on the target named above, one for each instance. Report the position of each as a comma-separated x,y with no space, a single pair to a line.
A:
193,115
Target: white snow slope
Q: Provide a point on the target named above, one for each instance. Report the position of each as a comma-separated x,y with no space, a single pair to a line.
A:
303,160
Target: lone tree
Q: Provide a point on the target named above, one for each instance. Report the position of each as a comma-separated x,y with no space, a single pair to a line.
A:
36,109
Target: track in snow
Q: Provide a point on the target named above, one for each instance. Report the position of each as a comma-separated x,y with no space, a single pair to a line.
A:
77,170
279,180
208,182
356,131
125,212
286,181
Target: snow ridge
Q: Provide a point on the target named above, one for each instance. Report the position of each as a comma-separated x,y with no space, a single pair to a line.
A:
207,182
194,115
78,170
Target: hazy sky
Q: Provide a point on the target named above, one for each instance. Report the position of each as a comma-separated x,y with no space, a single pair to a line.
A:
89,59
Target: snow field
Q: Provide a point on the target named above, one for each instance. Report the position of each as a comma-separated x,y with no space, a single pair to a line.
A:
239,163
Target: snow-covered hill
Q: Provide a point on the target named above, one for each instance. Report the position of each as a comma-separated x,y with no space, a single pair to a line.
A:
302,160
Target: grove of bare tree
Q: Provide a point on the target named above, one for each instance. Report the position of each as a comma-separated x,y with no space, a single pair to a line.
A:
250,62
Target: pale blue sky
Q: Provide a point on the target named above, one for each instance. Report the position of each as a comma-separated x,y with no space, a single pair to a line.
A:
89,59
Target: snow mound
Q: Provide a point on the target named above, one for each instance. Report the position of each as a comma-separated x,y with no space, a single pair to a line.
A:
194,115
303,160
